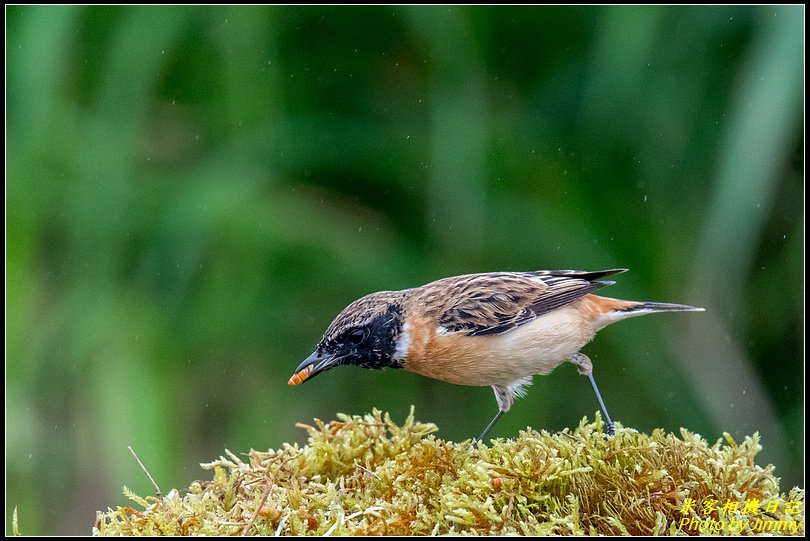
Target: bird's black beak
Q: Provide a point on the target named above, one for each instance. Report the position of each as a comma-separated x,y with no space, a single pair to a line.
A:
312,366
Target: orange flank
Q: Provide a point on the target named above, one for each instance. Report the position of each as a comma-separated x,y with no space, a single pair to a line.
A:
594,306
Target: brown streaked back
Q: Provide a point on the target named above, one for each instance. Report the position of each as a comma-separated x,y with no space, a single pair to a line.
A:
493,303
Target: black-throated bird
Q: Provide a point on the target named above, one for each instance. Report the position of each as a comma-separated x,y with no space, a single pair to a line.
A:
497,329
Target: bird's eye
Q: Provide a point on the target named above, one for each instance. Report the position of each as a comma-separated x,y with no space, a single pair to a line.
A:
356,336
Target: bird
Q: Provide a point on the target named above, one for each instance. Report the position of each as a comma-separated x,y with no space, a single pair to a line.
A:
494,329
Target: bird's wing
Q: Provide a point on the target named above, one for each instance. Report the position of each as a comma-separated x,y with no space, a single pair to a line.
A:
493,303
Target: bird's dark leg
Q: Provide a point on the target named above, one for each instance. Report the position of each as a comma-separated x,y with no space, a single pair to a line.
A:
490,425
504,397
610,428
585,368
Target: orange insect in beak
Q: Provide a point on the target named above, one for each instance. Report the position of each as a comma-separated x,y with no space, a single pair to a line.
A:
301,376
312,366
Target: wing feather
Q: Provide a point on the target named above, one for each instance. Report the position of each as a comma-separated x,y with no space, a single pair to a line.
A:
494,303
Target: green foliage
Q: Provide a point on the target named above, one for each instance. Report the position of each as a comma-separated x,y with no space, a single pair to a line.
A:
194,193
368,476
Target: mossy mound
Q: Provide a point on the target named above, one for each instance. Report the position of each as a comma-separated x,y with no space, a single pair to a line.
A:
367,476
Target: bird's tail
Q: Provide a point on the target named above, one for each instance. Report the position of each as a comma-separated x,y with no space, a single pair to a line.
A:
650,307
613,310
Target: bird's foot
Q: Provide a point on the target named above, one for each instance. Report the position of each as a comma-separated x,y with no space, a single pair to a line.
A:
582,362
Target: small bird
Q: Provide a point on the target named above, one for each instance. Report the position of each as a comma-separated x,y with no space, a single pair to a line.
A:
495,328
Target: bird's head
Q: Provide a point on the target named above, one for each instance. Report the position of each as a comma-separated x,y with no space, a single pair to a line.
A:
365,333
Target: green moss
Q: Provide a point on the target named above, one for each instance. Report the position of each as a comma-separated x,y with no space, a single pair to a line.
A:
367,475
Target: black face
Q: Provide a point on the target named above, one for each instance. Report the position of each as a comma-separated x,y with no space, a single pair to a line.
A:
370,346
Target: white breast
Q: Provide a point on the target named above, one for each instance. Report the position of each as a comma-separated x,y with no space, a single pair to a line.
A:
539,346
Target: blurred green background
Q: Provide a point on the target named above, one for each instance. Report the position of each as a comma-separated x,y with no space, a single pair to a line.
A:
194,193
